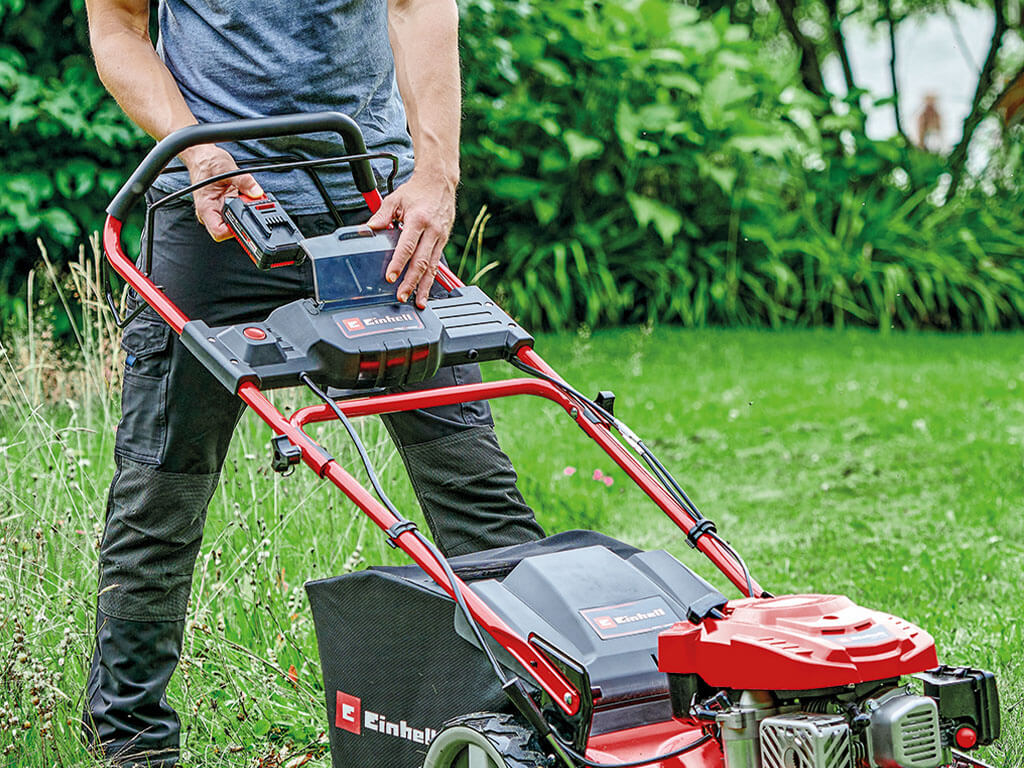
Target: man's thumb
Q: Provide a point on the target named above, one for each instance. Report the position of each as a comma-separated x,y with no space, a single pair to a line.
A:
247,186
382,218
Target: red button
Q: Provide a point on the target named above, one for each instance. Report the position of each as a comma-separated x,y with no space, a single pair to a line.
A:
966,738
254,333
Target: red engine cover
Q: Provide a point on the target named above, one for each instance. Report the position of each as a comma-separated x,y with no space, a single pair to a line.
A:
796,642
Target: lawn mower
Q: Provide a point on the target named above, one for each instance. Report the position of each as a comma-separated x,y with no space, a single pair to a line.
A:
574,650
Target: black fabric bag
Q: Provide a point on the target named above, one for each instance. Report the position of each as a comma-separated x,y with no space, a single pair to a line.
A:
394,667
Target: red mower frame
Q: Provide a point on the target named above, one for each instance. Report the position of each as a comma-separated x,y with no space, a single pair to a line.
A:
535,663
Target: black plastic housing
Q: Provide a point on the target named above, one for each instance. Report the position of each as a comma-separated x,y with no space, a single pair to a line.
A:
683,690
966,697
365,346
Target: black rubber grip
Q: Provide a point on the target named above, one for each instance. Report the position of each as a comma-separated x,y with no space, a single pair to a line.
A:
236,130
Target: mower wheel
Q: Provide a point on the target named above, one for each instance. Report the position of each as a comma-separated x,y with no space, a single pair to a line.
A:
485,740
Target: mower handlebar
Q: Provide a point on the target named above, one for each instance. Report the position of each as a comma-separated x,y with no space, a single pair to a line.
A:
258,128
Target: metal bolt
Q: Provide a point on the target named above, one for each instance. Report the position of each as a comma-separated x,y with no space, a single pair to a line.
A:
568,699
574,413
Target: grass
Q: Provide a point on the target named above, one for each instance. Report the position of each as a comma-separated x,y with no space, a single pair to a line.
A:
887,468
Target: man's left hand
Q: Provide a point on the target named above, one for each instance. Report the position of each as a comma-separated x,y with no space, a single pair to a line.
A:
425,206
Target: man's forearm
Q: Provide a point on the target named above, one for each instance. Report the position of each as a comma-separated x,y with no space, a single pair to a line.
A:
424,38
140,82
130,68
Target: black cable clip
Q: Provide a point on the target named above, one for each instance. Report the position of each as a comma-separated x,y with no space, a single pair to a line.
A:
710,708
286,454
397,530
702,527
606,399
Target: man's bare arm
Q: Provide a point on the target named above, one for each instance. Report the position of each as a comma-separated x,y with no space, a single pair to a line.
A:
140,82
424,38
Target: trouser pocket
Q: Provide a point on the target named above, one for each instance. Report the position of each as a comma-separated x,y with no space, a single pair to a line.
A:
142,432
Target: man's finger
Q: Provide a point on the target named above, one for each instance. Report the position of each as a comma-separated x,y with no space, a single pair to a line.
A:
418,266
248,186
217,228
384,215
209,214
427,281
404,250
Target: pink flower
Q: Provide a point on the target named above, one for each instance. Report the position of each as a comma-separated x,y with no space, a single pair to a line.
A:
569,471
598,474
607,481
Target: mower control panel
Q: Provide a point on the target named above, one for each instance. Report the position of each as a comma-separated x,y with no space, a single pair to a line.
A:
353,333
361,345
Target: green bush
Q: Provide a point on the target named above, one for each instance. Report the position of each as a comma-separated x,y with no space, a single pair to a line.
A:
639,163
67,146
865,241
645,164
610,138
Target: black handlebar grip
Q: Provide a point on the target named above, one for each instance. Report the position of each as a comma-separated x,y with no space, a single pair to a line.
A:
258,128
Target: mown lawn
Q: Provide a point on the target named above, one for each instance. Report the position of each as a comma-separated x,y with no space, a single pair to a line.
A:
889,469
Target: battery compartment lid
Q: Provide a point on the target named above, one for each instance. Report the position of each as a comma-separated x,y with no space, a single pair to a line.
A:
349,265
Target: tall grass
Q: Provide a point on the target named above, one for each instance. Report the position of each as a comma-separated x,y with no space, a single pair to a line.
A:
248,687
875,257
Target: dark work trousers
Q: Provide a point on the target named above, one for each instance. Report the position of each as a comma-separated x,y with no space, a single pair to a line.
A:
176,425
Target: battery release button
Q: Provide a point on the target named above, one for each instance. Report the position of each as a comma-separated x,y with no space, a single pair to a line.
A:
254,333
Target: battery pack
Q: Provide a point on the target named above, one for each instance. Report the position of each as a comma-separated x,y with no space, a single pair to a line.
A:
263,229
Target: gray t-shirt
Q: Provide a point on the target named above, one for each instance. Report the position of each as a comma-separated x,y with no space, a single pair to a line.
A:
235,59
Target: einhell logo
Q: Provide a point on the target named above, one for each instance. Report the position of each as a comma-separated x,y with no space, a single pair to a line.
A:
367,324
350,716
346,712
629,618
656,613
389,319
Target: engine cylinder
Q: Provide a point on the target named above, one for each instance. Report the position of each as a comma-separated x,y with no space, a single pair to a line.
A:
904,733
740,728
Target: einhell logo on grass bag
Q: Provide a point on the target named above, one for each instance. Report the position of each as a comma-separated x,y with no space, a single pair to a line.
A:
346,713
347,717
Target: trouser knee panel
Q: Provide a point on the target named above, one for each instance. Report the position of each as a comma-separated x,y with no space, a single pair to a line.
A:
152,535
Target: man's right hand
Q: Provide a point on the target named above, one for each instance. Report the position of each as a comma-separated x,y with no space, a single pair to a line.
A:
203,162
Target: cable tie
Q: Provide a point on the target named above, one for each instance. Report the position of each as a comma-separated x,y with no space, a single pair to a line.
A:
396,530
699,529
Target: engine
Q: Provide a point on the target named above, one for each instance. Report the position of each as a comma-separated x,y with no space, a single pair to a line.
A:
889,727
813,681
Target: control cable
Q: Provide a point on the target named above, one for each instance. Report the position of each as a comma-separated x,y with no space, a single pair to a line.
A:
404,522
637,763
664,477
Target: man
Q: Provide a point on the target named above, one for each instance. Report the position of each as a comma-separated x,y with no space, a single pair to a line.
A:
388,64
